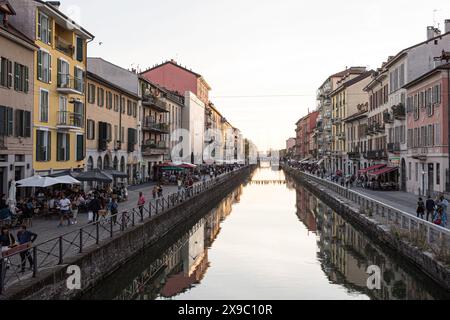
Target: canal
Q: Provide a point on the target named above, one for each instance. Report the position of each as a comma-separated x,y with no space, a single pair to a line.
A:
269,239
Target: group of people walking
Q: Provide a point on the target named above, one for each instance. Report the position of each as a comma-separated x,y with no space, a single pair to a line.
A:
435,210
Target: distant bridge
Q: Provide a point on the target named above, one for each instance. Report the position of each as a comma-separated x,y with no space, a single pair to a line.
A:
268,182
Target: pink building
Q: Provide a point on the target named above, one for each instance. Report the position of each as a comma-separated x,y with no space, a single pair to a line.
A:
304,147
176,78
427,122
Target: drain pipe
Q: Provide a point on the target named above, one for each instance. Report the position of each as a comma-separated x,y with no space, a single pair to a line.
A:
447,173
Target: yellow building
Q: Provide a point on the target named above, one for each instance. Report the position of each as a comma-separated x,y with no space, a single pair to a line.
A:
59,86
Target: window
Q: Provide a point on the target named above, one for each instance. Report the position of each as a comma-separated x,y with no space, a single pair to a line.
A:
410,172
129,108
80,49
63,77
90,130
116,102
100,97
23,124
109,101
79,79
43,106
122,105
44,31
6,75
402,75
438,173
6,121
108,132
437,134
63,150
116,133
417,172
20,77
91,93
80,147
122,134
44,66
135,109
43,145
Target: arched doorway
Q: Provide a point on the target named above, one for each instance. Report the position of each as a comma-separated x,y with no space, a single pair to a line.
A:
403,175
90,164
99,163
122,164
106,162
116,163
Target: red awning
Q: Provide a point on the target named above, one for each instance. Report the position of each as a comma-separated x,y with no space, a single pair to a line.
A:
375,167
383,171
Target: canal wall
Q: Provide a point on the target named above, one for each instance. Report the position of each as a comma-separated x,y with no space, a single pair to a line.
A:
380,233
100,261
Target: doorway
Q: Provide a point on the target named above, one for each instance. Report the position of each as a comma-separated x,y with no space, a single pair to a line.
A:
403,175
430,179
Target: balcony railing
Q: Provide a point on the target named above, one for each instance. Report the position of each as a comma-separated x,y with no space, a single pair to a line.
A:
376,155
354,155
70,120
419,153
393,147
150,125
150,148
399,111
68,84
387,117
151,101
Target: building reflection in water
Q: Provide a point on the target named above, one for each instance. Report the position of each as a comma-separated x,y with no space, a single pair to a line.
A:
185,263
345,254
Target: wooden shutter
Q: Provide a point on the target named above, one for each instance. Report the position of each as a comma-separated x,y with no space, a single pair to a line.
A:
59,73
49,146
10,124
27,124
26,81
49,68
39,65
16,76
80,147
19,123
67,137
9,74
80,49
3,121
39,28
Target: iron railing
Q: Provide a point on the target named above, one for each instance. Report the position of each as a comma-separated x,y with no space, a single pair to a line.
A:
55,252
385,214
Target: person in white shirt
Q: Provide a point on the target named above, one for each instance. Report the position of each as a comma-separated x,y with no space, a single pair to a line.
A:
64,208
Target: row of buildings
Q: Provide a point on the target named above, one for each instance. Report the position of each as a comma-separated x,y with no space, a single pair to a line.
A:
61,110
391,123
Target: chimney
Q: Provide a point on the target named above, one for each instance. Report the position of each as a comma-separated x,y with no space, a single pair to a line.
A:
55,4
432,32
447,25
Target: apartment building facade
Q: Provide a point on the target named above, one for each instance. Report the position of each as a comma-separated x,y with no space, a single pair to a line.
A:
112,120
16,105
59,85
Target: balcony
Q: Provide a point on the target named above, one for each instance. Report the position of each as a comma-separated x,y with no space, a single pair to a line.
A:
69,120
387,117
341,136
152,148
336,120
354,155
149,124
376,155
67,84
64,46
399,112
154,102
419,153
393,147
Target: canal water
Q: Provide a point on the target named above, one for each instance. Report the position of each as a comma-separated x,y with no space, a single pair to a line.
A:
269,239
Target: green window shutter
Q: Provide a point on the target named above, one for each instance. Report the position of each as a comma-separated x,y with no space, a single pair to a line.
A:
80,147
9,74
38,145
39,65
26,81
80,49
67,146
27,124
10,124
49,146
16,76
18,124
59,73
3,120
39,28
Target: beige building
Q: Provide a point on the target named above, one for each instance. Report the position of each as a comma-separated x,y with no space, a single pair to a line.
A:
345,100
16,101
112,121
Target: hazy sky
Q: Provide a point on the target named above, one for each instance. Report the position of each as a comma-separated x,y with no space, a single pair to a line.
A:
263,59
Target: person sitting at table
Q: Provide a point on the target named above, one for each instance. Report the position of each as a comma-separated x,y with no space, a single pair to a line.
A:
5,215
7,240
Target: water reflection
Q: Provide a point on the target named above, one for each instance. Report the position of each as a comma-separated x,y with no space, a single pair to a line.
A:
269,239
345,254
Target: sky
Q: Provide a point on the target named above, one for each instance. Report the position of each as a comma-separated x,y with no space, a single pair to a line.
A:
263,59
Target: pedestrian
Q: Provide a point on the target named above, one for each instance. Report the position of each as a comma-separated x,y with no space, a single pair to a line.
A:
444,205
64,210
420,208
94,206
75,208
160,191
429,204
154,192
141,203
180,184
26,237
114,210
7,240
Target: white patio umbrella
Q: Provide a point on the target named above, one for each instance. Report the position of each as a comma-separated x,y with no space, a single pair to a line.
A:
38,182
67,180
12,197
